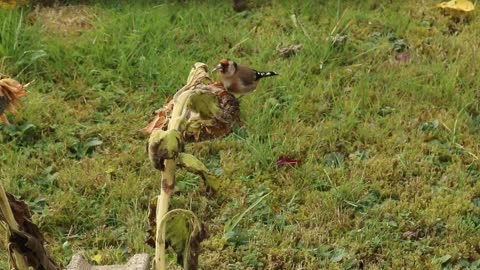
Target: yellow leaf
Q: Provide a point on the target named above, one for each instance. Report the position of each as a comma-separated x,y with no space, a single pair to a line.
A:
110,169
460,5
97,258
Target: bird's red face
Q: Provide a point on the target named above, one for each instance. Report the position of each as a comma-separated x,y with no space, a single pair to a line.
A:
224,64
223,67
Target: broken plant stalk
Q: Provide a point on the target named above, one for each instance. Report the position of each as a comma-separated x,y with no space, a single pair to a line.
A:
168,179
7,216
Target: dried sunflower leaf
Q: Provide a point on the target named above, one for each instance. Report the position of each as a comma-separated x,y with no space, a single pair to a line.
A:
161,118
205,104
184,232
152,222
164,145
194,165
28,240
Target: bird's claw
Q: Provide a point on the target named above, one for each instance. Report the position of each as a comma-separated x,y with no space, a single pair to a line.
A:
217,84
222,93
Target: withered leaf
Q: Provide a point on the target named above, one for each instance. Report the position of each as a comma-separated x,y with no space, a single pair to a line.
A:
199,129
164,145
161,118
10,92
184,232
33,250
194,165
22,216
205,104
284,160
152,222
289,50
403,57
29,241
160,122
412,235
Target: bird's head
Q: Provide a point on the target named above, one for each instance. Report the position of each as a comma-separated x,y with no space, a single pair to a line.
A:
226,67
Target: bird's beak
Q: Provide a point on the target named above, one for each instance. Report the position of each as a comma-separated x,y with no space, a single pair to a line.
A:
219,67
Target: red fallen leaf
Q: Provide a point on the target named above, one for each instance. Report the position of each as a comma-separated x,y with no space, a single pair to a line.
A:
284,160
403,57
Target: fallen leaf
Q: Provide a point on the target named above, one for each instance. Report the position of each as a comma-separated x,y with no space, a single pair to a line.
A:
92,143
457,5
384,111
284,160
443,259
338,40
290,50
334,159
97,258
411,235
400,45
403,57
338,255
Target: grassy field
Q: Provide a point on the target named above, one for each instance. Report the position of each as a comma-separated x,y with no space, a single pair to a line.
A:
386,125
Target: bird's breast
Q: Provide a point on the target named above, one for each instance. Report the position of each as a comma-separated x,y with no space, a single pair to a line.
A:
227,82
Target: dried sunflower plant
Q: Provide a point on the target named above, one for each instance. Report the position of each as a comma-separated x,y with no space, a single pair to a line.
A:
198,111
10,92
25,243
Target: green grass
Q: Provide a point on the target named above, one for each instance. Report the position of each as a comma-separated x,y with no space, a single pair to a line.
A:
386,148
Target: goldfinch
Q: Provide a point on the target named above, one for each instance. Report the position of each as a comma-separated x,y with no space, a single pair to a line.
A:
239,79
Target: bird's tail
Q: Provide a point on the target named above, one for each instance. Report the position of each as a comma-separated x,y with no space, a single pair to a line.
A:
260,74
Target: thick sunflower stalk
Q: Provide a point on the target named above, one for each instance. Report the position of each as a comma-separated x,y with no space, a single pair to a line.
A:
199,110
